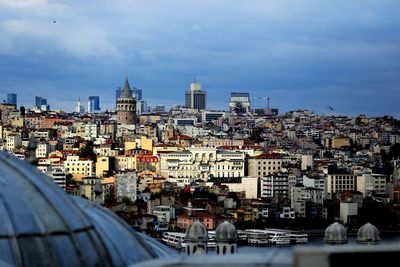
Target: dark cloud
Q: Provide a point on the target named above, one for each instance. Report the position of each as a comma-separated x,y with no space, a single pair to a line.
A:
304,54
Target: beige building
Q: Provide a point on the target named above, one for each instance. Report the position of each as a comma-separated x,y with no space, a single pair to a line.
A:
336,183
146,143
264,165
75,165
369,184
104,164
222,142
123,163
87,186
337,142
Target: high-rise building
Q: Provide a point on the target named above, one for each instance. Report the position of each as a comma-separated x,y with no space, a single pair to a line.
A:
93,103
79,107
240,103
12,99
126,105
41,103
137,93
195,98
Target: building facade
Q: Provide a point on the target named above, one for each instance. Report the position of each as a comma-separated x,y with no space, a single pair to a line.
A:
195,98
93,103
240,103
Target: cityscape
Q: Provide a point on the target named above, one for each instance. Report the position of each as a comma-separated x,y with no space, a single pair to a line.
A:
105,163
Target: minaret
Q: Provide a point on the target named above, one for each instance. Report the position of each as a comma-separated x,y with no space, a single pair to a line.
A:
126,105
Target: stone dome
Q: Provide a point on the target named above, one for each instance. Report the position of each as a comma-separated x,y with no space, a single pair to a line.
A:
41,225
335,234
196,232
368,233
226,232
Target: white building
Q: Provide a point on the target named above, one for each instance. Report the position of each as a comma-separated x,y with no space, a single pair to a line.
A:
249,185
42,150
13,141
201,163
275,185
92,131
58,175
164,215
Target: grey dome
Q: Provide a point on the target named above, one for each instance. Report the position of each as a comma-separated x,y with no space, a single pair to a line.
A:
335,234
368,233
196,232
43,226
226,232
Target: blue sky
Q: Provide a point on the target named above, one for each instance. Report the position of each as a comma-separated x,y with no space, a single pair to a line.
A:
304,54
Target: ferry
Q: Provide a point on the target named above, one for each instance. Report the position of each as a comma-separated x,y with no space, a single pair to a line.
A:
296,237
173,239
267,237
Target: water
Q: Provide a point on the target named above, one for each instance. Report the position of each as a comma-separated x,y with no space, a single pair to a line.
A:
313,242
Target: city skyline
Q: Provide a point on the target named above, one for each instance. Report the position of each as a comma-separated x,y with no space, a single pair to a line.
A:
303,55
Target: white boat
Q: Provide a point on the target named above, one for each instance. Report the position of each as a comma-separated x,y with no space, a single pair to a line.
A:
267,237
296,237
174,238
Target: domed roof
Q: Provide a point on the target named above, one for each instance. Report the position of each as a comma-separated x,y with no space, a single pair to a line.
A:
335,234
196,232
43,226
226,232
368,233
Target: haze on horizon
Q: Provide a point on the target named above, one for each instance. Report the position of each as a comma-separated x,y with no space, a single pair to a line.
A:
304,54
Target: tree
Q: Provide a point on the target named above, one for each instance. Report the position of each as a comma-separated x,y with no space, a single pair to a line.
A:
22,110
87,152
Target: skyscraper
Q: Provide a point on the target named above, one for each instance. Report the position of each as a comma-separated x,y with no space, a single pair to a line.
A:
195,98
41,103
93,103
12,99
126,105
79,107
240,103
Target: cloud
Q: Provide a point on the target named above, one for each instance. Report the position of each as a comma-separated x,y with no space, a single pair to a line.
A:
297,46
23,3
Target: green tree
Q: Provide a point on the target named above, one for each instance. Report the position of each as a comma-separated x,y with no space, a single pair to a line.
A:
87,152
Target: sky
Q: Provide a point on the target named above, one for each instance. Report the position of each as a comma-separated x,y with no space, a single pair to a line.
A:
304,54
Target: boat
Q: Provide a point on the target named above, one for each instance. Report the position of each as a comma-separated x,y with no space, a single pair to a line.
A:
296,237
267,237
173,239
177,239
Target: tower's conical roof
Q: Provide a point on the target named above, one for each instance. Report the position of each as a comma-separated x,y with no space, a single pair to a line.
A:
126,90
